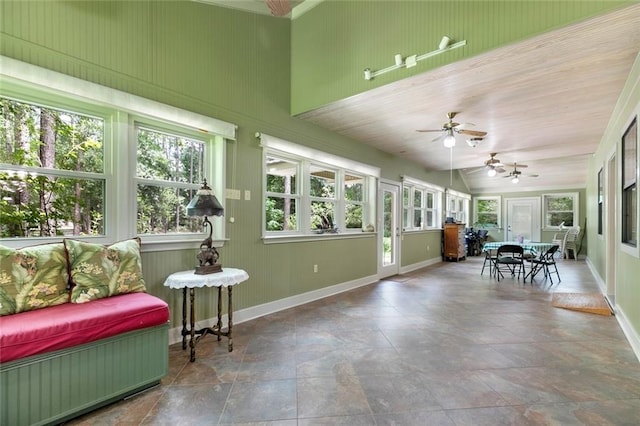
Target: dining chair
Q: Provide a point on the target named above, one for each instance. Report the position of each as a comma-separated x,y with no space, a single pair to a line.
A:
490,257
544,262
509,259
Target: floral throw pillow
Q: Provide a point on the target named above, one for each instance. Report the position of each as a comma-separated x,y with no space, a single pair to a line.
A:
33,278
99,271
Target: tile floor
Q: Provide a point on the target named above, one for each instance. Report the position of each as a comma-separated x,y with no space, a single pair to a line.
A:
439,346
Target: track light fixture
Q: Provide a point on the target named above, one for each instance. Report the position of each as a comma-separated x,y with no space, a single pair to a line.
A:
411,61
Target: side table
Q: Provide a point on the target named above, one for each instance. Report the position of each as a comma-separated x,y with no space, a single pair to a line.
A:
189,280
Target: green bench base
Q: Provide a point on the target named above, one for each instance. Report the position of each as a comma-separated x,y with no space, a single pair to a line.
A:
57,386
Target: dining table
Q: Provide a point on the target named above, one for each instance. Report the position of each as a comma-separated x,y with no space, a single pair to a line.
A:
531,246
534,248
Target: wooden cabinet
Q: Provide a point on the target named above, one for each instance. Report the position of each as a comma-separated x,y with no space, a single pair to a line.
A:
453,241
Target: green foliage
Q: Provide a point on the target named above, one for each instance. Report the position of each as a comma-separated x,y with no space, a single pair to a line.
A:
39,203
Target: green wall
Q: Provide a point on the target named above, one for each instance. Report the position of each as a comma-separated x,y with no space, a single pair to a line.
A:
349,36
546,235
237,67
627,266
222,63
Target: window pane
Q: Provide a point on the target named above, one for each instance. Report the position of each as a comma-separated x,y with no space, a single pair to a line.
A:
46,206
430,218
322,183
353,188
281,214
353,216
168,157
559,209
417,198
406,191
42,137
281,176
163,210
406,223
629,211
417,218
429,203
488,218
322,214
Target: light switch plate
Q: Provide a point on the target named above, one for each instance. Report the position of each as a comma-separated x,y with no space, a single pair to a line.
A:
232,194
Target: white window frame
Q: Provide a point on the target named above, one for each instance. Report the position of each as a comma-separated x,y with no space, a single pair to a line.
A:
498,212
307,157
409,209
576,209
632,250
462,201
120,109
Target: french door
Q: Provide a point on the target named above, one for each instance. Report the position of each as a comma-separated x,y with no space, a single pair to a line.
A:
522,219
388,229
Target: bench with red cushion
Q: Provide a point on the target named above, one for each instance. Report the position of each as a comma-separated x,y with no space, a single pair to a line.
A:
71,324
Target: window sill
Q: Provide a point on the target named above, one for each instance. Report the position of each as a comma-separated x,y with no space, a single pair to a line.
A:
416,231
281,239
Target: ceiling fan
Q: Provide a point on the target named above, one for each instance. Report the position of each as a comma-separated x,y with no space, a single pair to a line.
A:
449,129
492,166
515,174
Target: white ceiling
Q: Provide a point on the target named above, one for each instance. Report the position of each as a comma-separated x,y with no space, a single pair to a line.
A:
544,102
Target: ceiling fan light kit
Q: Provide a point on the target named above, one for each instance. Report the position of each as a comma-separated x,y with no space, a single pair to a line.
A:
450,128
412,60
449,141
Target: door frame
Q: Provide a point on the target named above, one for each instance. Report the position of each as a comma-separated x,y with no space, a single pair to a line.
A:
396,188
535,217
610,225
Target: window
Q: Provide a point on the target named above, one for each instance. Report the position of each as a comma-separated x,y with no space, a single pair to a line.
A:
630,185
52,180
458,206
88,161
421,202
282,195
560,209
170,168
600,202
487,211
309,192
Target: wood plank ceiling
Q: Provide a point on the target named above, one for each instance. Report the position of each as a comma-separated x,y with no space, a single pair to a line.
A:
544,102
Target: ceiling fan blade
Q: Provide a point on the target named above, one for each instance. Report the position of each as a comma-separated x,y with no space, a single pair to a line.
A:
517,165
471,132
499,169
476,170
423,131
439,138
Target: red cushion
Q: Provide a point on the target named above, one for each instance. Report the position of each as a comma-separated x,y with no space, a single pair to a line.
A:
62,326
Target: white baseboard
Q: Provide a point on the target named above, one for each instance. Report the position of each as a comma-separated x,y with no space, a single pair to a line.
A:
630,333
175,334
420,265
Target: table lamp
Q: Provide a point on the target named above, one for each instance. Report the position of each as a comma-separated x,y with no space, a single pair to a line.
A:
206,204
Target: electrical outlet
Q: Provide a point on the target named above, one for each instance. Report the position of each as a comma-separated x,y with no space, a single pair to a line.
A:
428,248
315,268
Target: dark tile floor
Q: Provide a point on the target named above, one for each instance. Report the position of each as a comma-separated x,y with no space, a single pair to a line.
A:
439,346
